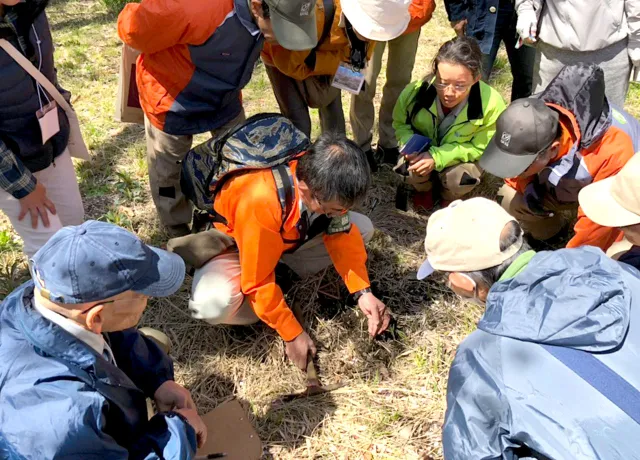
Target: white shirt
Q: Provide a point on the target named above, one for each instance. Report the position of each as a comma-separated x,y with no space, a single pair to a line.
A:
95,341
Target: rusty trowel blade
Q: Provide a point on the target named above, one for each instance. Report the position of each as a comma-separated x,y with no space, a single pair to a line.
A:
310,392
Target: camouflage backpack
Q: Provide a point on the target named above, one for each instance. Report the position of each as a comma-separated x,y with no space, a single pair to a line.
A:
264,141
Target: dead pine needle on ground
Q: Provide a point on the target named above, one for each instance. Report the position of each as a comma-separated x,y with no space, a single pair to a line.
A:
393,404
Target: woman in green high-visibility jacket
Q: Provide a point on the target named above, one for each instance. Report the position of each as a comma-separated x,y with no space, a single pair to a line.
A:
458,112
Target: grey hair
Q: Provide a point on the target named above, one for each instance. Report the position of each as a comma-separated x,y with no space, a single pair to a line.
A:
490,276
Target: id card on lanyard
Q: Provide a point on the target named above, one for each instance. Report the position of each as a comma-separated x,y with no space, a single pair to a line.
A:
348,79
49,121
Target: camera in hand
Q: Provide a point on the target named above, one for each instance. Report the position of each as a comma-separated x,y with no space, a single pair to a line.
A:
417,144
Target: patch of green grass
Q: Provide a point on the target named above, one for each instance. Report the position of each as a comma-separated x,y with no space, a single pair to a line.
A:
130,188
117,217
13,272
116,5
8,242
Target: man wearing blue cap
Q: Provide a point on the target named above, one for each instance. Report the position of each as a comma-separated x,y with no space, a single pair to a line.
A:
75,373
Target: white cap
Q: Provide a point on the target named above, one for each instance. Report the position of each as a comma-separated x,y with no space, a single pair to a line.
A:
465,237
378,20
615,201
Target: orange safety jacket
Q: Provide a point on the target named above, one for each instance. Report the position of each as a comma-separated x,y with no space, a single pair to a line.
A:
196,58
330,53
595,144
249,202
421,12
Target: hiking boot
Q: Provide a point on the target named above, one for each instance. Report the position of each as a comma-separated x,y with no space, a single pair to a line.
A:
371,159
388,155
423,201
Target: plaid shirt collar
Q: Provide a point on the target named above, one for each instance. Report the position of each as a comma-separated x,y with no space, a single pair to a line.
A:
8,29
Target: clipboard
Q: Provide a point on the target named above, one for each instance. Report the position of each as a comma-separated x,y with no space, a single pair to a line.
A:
230,432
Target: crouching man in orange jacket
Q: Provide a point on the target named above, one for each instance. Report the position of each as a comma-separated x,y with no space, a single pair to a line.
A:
239,286
555,144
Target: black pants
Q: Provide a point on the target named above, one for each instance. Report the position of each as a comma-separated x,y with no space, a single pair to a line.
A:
521,60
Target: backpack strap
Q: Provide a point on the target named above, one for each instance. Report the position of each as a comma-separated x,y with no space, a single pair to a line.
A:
601,377
329,14
284,183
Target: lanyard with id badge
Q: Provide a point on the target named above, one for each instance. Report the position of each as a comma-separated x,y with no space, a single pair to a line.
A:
48,113
349,77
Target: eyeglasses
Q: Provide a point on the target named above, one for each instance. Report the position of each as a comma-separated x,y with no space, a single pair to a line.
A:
329,212
457,87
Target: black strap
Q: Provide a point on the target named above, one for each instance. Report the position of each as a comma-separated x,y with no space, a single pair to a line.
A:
358,56
284,183
329,13
424,100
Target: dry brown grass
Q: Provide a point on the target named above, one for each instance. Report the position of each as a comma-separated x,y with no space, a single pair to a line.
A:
393,404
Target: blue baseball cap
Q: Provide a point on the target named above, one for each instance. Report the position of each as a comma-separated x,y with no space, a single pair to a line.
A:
96,260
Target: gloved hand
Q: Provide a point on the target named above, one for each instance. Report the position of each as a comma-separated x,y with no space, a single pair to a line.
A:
527,26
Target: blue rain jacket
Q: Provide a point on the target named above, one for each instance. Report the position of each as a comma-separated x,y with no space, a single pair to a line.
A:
509,398
60,399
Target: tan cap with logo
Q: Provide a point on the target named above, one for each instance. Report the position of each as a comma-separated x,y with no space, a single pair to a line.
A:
466,236
615,201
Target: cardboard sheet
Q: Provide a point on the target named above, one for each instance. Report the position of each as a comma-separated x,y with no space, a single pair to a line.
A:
230,432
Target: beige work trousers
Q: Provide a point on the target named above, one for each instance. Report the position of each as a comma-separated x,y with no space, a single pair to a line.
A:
455,181
539,226
227,304
401,58
61,184
294,98
165,152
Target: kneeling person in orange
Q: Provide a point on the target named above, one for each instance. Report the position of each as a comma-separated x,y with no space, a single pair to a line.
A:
555,144
239,286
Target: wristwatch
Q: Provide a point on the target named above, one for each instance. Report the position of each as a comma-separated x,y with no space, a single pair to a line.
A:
360,293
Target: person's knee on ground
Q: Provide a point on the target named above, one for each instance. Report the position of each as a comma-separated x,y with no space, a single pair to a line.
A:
216,294
458,181
540,227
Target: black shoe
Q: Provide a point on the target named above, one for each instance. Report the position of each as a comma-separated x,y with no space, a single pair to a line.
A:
371,159
388,155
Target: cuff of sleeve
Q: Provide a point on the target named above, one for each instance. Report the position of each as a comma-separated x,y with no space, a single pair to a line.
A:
356,282
525,6
290,329
456,16
30,182
157,383
437,158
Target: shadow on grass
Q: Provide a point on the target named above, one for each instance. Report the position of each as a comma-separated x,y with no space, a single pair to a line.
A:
78,20
94,176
